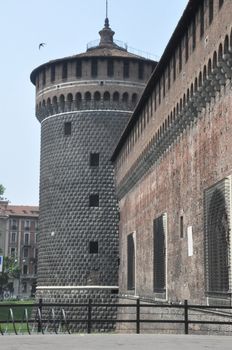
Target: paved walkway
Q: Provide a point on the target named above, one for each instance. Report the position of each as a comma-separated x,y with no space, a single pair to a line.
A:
114,342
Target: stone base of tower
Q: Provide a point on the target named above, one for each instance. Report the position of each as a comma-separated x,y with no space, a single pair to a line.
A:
77,316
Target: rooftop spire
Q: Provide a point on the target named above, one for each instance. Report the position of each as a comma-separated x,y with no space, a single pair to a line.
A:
106,33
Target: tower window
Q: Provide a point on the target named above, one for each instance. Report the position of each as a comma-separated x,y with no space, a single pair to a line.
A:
141,70
44,77
53,73
126,69
94,68
110,68
79,69
67,128
94,159
64,70
94,200
93,247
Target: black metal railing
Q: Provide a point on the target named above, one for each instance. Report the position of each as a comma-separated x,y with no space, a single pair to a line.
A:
55,320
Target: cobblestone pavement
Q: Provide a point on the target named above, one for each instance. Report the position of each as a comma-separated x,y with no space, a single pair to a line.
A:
112,342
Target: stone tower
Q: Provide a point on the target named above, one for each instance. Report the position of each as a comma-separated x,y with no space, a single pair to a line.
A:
83,103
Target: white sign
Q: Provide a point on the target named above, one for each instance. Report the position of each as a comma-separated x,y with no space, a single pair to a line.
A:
1,263
190,240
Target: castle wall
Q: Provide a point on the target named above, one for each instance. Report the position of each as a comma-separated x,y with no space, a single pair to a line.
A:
176,146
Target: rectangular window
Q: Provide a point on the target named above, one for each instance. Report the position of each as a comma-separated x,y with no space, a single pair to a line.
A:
13,252
194,34
180,57
94,68
126,69
25,252
159,229
27,225
181,226
141,70
24,287
13,237
79,69
14,224
53,72
221,3
130,262
64,70
202,20
94,159
110,68
94,200
26,238
186,47
210,11
25,269
93,247
67,128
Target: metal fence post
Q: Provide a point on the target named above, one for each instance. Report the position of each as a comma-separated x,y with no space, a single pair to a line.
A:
138,316
186,322
40,319
89,316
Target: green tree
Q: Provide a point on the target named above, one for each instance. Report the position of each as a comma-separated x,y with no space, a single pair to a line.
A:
10,270
2,190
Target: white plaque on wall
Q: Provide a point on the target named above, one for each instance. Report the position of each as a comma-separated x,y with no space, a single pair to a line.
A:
190,240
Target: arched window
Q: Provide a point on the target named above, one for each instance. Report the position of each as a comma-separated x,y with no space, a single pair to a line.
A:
116,96
209,67
177,108
181,105
195,85
220,52
226,45
106,96
54,101
214,59
87,96
191,91
78,97
204,73
187,95
97,96
134,98
184,100
70,100
62,102
200,79
125,97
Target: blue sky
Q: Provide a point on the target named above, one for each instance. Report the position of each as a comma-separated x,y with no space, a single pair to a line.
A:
66,27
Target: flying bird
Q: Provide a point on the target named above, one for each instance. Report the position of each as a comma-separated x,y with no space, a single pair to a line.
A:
41,45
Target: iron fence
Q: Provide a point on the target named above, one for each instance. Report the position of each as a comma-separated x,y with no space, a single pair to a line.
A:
57,322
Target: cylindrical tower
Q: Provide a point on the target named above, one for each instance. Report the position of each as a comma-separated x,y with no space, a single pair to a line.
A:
83,103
